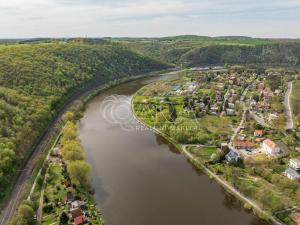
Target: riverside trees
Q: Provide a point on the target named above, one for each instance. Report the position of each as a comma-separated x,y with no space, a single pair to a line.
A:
73,154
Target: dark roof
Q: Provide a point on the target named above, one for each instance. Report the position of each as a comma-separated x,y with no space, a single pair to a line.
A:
70,196
232,156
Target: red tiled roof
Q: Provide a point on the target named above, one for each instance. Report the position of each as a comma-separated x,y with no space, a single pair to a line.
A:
270,143
258,132
296,217
78,220
76,213
243,144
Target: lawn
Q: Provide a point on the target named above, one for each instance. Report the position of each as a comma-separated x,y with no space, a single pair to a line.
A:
203,153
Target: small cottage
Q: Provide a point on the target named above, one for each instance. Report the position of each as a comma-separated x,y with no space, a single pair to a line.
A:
270,147
295,164
291,174
232,157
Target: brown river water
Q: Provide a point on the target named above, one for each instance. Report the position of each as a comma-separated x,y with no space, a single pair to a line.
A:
140,179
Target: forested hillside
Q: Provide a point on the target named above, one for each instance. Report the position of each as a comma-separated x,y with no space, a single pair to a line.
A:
36,78
203,51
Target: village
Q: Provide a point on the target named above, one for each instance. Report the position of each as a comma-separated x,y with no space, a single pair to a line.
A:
238,125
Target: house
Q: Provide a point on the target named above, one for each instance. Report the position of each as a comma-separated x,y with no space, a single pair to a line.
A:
191,86
277,92
232,157
231,105
261,86
268,95
176,87
291,174
214,110
253,103
220,86
179,91
79,220
55,151
201,105
243,145
296,218
70,197
295,164
76,213
258,133
230,112
77,204
270,147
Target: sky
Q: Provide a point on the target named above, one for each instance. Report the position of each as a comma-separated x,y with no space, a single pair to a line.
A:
149,18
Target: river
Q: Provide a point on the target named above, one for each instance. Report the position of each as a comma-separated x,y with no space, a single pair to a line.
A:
140,179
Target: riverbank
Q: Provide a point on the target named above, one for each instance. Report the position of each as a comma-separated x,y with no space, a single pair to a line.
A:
248,203
66,193
30,170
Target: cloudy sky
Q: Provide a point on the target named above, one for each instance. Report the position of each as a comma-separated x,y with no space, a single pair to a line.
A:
151,18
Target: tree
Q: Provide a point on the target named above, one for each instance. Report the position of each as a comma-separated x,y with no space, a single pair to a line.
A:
69,132
79,172
172,112
27,213
72,150
68,116
64,218
162,117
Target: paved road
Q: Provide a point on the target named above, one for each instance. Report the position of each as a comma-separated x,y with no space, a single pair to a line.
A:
288,110
245,109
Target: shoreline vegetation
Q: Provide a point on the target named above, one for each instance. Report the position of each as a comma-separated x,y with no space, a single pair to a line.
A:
153,106
68,194
34,200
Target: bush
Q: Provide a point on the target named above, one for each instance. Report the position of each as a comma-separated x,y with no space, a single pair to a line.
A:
48,208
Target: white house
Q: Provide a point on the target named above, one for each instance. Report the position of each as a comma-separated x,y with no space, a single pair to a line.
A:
291,174
295,164
230,112
269,147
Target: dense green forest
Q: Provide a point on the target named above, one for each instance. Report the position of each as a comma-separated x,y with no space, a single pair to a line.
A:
203,51
37,77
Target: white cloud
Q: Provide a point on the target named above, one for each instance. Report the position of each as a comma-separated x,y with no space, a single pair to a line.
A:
36,18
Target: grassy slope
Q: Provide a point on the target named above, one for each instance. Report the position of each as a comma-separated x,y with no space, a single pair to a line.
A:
35,78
